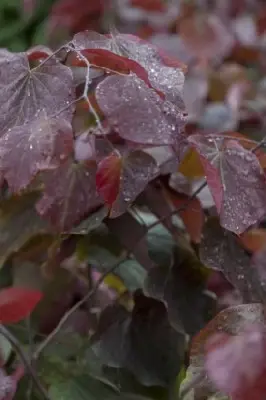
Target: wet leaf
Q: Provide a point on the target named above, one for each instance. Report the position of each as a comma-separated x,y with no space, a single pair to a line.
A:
137,112
69,194
92,222
143,342
25,93
121,179
221,251
39,145
236,181
162,77
17,303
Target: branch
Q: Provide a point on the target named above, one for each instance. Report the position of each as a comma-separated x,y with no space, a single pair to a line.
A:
68,314
18,348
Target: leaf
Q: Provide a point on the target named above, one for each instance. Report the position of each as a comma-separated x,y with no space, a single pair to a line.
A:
108,177
39,145
234,176
17,303
121,179
69,194
25,93
137,113
191,166
111,62
221,251
162,77
92,222
143,342
206,35
230,321
82,387
134,243
236,364
19,222
192,216
178,281
253,240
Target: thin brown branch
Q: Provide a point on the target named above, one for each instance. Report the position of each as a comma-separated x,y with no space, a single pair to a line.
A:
18,348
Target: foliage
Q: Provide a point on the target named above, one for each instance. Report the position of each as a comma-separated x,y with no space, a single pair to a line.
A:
132,200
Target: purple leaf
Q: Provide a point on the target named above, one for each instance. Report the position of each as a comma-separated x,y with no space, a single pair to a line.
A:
35,146
240,178
221,251
24,93
136,111
69,194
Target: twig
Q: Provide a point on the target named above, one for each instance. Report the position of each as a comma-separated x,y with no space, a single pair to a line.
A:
18,348
68,314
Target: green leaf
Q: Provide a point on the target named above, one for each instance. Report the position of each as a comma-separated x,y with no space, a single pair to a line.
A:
179,281
91,223
81,387
142,342
19,222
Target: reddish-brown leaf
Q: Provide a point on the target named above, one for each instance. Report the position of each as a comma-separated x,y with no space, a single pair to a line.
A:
121,179
17,303
192,215
108,177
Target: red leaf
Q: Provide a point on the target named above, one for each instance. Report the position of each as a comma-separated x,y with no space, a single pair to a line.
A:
24,93
102,59
110,61
236,180
17,303
192,215
236,364
121,179
36,146
69,194
149,5
108,177
163,78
